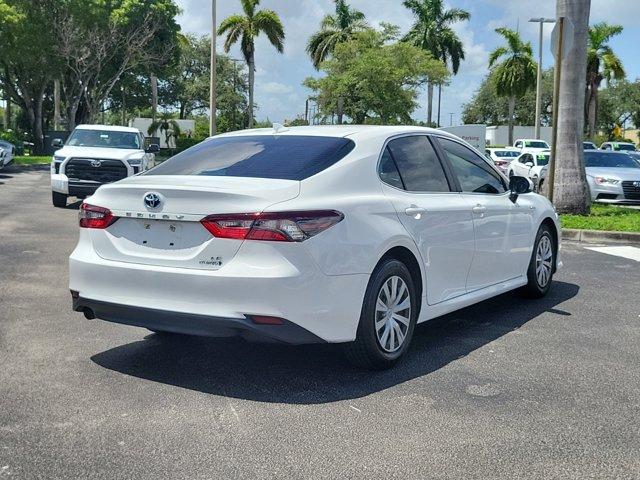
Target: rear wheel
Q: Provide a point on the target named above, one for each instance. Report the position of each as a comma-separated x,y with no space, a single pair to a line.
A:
541,265
59,199
388,318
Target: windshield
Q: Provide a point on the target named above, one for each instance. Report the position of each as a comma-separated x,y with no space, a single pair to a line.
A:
624,146
293,157
609,160
535,144
542,159
588,146
104,139
506,153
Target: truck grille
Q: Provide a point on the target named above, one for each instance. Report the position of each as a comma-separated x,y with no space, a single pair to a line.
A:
631,192
95,170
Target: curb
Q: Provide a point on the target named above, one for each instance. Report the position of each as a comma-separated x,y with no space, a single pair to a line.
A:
600,236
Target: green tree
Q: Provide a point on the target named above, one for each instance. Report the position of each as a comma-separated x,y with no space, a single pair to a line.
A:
246,28
486,107
432,32
377,81
602,64
516,73
335,29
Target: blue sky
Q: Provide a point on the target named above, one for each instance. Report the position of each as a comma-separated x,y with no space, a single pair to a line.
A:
281,96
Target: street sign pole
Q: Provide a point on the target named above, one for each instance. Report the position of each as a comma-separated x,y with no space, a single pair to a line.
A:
559,50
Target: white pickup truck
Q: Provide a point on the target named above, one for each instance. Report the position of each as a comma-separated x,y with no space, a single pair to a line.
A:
94,155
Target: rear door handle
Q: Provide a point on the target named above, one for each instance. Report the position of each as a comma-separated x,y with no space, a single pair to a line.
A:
479,210
415,211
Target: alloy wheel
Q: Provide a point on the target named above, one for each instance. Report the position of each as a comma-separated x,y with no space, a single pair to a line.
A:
393,314
544,257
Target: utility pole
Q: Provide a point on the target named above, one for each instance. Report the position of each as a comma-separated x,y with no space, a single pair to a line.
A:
212,97
556,103
541,21
439,101
451,119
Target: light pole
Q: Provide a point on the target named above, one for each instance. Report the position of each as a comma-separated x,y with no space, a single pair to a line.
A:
451,114
212,97
541,21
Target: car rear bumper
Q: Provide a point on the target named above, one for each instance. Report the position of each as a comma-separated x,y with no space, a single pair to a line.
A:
259,281
191,324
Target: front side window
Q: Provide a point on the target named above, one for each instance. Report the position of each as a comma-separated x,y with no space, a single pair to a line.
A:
418,164
472,172
104,139
285,157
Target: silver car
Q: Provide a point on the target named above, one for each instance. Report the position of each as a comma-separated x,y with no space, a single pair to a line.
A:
613,177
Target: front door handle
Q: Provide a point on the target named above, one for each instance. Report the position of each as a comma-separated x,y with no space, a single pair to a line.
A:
479,210
415,211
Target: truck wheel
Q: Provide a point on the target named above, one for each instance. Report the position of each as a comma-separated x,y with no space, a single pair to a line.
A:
59,199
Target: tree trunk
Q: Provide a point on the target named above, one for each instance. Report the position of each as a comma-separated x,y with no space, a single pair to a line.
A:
154,97
7,111
571,192
429,103
252,80
592,111
512,110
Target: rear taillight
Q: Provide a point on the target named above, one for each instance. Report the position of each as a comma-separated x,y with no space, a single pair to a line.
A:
275,227
95,217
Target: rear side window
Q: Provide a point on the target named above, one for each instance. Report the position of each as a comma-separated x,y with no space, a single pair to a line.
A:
389,173
418,164
283,157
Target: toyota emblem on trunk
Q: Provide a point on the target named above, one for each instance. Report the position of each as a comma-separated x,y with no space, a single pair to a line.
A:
152,200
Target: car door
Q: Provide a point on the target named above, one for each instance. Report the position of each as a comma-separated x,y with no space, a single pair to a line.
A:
502,227
438,219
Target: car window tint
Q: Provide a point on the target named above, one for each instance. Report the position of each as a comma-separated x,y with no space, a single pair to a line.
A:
389,171
286,157
418,164
474,176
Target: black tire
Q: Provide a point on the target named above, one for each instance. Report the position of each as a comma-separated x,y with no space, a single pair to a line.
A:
535,288
366,351
59,199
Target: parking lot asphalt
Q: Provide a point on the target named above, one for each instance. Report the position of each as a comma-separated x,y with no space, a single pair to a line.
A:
509,388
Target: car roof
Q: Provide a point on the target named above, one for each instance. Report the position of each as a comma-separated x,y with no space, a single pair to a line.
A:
356,132
110,128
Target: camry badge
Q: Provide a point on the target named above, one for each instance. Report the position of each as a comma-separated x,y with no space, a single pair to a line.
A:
96,163
152,200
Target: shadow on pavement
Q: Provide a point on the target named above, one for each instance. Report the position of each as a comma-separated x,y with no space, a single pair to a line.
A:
15,169
319,373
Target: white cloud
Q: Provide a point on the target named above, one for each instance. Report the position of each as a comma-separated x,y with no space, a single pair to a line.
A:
276,88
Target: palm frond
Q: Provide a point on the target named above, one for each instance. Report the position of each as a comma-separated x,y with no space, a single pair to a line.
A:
268,22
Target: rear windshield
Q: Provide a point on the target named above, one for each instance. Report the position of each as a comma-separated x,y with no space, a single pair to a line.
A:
506,153
284,157
609,160
624,146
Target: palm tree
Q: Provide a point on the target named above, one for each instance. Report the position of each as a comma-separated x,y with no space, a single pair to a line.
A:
571,194
246,28
335,29
602,64
516,73
432,32
167,124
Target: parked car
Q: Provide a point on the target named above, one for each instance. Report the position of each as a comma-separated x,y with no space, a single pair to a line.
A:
589,146
95,155
529,164
531,144
618,146
344,234
502,157
613,177
7,153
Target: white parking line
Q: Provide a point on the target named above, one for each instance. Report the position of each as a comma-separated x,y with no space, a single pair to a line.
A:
632,253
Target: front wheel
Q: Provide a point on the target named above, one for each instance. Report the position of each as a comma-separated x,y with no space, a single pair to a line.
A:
59,199
541,265
388,318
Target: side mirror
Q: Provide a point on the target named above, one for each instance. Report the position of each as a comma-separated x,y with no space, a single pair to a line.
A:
153,148
529,164
57,143
519,186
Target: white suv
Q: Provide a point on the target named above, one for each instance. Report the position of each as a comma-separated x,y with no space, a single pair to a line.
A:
95,155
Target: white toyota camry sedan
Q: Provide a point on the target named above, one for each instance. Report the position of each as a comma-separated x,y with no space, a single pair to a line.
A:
343,234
